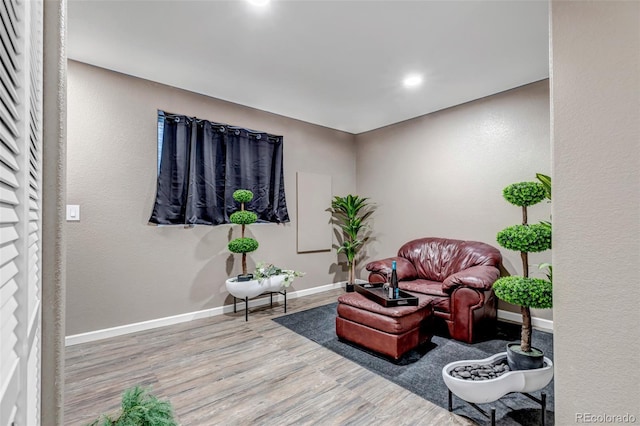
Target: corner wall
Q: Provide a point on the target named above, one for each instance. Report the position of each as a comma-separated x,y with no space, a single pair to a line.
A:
442,174
120,270
596,210
54,260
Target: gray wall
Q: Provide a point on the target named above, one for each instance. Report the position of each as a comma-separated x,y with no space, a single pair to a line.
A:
596,217
596,211
442,174
121,270
445,170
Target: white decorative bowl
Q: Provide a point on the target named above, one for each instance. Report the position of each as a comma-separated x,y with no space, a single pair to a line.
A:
483,391
253,288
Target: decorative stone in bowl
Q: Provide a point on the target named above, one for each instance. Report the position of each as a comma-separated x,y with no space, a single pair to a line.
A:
489,390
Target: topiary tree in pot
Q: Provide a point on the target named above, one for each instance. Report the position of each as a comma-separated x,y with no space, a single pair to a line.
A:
524,291
351,213
243,244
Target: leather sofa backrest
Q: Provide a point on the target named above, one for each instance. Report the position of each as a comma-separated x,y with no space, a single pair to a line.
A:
437,258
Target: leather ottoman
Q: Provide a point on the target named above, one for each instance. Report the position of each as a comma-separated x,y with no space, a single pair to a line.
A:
389,331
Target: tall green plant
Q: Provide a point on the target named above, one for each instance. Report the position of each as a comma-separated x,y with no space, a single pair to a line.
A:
524,291
243,217
351,213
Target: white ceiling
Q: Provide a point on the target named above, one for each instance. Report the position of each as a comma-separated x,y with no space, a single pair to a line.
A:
339,64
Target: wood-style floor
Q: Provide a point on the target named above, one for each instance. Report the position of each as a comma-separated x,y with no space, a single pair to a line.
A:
225,371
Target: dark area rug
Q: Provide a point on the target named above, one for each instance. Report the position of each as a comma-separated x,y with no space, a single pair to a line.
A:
421,372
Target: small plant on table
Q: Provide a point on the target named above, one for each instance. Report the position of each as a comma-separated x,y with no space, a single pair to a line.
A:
265,270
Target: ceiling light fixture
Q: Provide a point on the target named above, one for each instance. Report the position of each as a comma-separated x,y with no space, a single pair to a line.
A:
412,80
259,2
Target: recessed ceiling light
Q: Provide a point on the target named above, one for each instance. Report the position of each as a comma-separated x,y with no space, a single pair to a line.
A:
412,80
259,2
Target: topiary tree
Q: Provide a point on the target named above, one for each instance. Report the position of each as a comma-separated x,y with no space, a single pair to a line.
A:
526,238
243,217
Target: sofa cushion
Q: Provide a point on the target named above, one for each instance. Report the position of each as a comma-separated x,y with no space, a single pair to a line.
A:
437,258
404,268
433,288
478,277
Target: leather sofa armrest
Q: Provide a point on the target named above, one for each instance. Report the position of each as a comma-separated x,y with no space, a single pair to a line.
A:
404,268
478,277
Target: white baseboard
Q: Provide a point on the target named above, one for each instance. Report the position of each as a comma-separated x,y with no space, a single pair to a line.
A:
92,336
539,323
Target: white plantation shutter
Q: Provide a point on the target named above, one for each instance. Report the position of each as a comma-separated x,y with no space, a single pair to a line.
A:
20,210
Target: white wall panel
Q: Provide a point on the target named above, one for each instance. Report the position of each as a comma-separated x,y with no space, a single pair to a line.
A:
314,217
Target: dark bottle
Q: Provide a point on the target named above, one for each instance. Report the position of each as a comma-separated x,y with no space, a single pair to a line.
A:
394,280
387,286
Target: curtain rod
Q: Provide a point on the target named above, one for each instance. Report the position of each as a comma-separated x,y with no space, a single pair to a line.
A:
257,133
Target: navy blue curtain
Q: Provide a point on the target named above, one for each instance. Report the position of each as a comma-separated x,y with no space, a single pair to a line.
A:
202,163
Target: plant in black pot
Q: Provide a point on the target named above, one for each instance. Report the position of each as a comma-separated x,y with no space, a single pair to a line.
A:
525,291
350,213
243,244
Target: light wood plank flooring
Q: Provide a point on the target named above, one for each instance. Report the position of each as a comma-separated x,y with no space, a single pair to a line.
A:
225,371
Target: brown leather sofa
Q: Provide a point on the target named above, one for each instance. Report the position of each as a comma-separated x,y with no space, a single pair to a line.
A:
456,275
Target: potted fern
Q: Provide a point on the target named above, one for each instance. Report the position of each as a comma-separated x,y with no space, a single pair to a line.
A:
525,291
350,213
139,407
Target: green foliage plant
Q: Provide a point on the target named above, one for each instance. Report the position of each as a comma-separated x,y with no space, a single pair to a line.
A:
524,291
546,183
532,292
545,180
243,217
140,408
351,213
525,238
265,270
549,269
